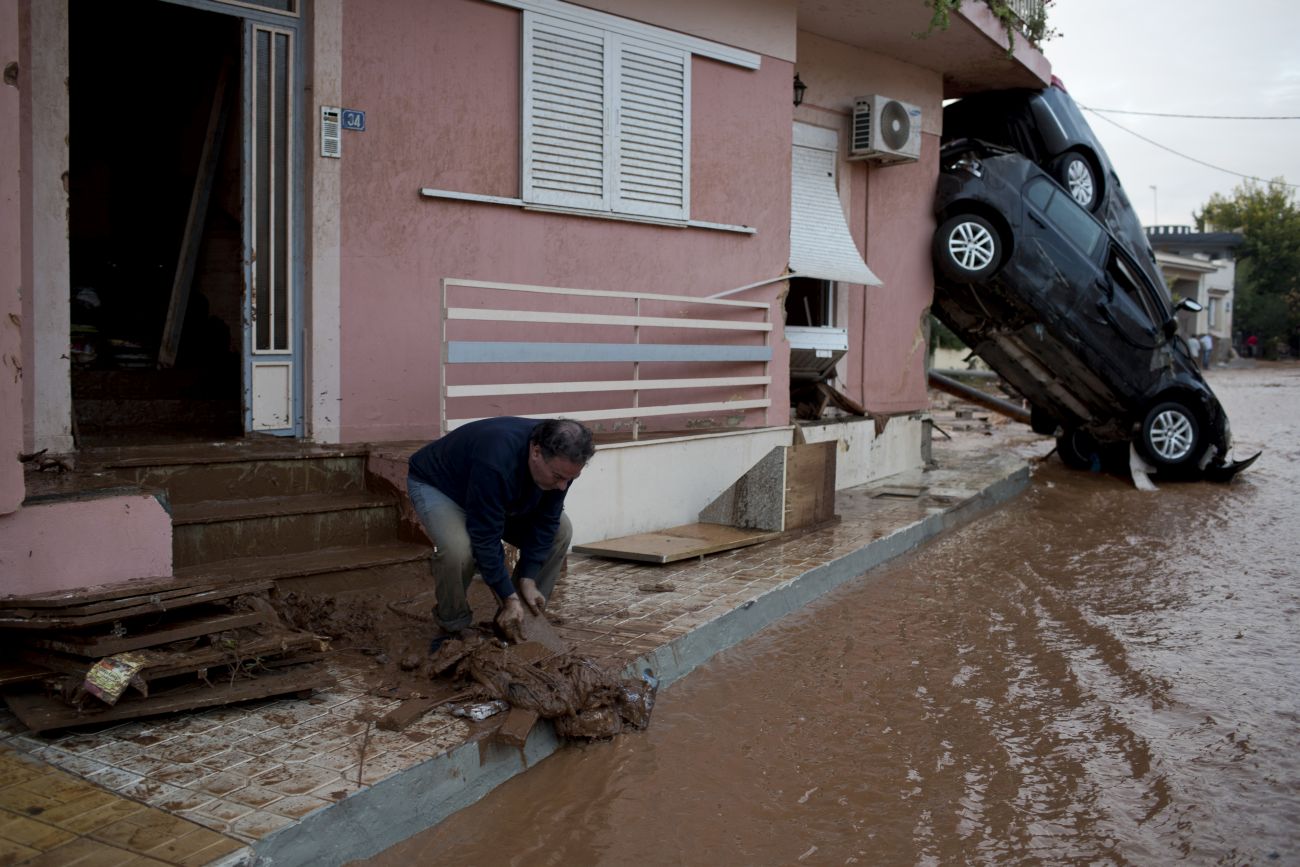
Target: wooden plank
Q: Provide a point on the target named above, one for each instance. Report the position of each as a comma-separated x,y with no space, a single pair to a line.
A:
605,385
676,543
183,279
636,411
41,713
408,712
50,620
603,293
97,646
477,315
809,484
501,351
169,663
102,593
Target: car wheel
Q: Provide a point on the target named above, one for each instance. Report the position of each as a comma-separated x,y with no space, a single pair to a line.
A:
1076,174
1171,435
1079,450
967,248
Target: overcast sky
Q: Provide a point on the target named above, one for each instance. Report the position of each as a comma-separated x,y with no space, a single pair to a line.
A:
1240,57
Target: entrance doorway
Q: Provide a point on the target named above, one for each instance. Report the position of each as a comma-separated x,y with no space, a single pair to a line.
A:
180,243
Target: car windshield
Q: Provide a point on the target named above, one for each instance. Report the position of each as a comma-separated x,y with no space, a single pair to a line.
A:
1065,213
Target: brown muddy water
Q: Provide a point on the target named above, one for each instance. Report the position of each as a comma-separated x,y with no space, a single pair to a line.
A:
1090,675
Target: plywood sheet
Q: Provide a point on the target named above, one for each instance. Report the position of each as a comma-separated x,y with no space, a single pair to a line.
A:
677,543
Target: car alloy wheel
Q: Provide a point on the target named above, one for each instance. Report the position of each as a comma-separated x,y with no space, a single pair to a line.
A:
1170,434
967,248
1076,174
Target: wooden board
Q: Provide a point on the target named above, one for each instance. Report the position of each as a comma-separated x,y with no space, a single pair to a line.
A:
676,543
41,713
809,484
98,593
91,615
97,646
168,663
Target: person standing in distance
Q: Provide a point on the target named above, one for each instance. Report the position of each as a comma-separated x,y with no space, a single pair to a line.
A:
495,480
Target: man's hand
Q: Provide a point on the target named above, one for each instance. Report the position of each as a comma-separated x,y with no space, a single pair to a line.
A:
533,597
511,618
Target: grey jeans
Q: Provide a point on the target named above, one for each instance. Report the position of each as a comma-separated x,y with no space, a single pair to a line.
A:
453,564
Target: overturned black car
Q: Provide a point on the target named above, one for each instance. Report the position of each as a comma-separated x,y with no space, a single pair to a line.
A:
1059,306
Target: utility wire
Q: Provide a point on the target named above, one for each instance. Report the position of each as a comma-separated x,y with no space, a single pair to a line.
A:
1196,116
1186,157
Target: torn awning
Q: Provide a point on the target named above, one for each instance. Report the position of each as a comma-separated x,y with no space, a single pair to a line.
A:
820,243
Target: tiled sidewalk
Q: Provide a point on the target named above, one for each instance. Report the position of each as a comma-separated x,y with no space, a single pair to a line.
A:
314,781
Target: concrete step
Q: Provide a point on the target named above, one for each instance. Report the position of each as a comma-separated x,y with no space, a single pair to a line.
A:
216,530
317,567
194,472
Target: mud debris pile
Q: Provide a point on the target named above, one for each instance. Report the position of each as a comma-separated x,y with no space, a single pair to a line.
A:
583,698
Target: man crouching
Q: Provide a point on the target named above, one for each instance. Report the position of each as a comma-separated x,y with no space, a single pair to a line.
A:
494,480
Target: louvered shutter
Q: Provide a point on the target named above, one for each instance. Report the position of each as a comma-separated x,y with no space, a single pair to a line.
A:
652,131
566,136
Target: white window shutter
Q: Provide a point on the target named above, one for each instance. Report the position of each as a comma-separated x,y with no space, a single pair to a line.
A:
566,114
652,133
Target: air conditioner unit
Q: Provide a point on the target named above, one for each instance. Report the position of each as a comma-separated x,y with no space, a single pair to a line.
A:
885,130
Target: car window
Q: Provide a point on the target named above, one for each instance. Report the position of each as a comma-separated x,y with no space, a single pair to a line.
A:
1127,280
1065,213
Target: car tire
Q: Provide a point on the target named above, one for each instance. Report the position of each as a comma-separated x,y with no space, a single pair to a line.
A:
1171,435
967,248
1079,450
1076,173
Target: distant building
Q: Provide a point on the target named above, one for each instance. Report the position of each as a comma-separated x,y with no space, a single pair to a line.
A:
1200,266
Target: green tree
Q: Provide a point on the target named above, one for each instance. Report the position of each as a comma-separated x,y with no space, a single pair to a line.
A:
1268,273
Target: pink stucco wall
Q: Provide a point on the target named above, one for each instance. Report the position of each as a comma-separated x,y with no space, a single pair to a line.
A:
11,343
68,544
441,87
889,215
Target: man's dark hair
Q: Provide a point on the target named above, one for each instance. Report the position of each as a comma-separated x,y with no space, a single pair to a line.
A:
565,438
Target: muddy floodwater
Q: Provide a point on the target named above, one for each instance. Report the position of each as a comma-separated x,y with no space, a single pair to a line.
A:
1089,675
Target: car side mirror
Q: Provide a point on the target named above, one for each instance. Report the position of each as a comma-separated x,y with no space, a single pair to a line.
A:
1189,304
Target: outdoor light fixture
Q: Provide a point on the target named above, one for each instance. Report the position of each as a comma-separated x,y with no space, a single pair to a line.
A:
799,88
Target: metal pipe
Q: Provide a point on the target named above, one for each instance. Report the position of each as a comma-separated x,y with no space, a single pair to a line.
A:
975,396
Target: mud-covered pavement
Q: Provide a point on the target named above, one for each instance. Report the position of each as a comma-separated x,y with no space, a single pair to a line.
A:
1092,674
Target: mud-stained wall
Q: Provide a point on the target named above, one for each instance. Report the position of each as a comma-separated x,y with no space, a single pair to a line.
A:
11,257
440,83
888,210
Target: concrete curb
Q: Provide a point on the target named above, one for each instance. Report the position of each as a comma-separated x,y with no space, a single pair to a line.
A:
392,810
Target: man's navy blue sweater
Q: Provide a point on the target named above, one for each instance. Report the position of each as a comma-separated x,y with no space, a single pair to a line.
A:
483,467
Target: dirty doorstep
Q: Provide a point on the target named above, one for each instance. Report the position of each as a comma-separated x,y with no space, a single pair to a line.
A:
317,780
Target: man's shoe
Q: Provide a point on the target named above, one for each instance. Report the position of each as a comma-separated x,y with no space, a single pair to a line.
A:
440,639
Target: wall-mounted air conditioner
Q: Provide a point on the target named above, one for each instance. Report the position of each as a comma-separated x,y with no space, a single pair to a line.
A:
885,130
